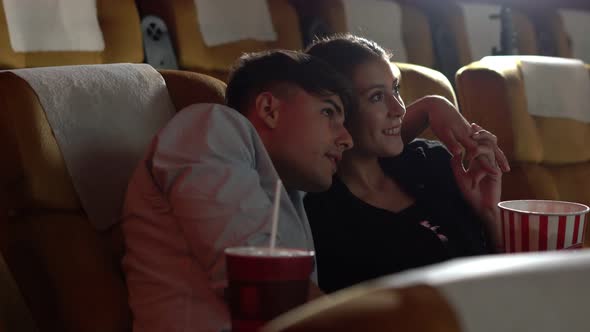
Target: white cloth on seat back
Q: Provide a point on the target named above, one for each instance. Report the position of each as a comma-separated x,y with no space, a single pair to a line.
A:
577,25
554,87
103,118
228,21
379,20
541,292
53,25
482,31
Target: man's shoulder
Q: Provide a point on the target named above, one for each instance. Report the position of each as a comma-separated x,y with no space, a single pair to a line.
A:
202,139
208,127
196,114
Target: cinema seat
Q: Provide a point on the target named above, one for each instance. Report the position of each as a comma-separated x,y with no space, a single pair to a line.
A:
65,266
119,23
542,292
419,81
570,27
474,33
407,28
193,53
549,156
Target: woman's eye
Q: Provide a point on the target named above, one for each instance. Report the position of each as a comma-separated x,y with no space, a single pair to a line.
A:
377,97
328,112
396,89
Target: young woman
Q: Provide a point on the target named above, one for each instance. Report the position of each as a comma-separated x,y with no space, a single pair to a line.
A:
394,206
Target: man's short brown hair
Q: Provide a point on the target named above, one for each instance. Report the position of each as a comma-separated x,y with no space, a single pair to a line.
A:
255,73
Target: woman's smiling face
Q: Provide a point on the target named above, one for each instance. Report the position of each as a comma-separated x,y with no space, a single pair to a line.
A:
376,126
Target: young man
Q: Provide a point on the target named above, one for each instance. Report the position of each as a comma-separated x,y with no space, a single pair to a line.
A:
208,179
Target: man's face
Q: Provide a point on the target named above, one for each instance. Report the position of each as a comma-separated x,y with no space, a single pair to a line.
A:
309,140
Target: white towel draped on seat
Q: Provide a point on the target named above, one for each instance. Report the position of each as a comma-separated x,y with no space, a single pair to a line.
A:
554,87
228,21
53,25
103,118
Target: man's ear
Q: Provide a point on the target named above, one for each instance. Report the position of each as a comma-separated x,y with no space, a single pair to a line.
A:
267,109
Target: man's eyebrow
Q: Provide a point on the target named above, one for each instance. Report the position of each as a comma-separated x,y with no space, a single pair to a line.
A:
336,106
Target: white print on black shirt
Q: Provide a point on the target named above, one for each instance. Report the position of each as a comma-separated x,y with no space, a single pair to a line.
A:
435,229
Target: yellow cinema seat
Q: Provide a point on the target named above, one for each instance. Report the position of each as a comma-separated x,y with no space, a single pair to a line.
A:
67,271
418,81
542,292
549,156
119,23
193,54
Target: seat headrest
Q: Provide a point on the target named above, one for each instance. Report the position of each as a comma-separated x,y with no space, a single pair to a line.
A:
366,308
548,100
75,32
72,25
247,22
103,118
543,291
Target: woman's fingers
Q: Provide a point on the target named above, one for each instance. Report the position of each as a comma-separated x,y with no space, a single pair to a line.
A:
501,159
484,155
467,179
482,134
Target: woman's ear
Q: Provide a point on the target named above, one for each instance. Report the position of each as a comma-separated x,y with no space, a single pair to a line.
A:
267,109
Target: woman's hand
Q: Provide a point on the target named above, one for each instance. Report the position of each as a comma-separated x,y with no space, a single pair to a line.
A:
453,130
449,125
481,182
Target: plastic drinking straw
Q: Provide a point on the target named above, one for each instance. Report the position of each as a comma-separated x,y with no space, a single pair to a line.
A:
275,215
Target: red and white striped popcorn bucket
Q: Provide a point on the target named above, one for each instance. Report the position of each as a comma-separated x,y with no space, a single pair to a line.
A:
538,225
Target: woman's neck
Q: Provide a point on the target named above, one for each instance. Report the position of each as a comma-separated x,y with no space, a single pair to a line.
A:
362,174
366,180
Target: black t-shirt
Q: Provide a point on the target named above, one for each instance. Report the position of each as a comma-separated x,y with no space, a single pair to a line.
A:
355,241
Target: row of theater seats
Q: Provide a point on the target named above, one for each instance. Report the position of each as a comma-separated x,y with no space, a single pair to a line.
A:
447,35
444,35
61,269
